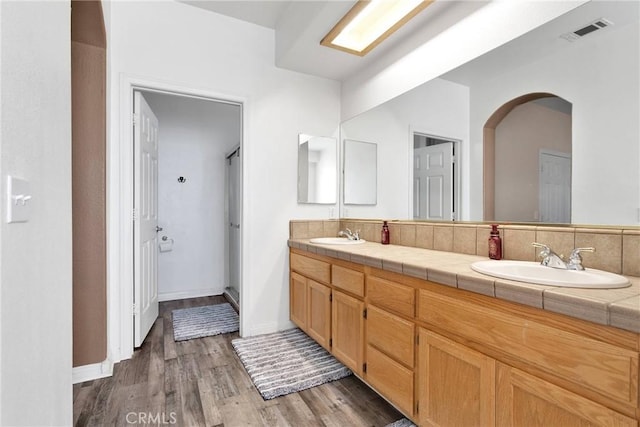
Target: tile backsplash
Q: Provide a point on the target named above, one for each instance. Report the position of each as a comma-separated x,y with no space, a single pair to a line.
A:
617,248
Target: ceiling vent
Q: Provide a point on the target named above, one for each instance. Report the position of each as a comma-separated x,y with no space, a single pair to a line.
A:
587,29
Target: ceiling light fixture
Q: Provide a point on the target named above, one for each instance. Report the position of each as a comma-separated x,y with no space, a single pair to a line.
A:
369,22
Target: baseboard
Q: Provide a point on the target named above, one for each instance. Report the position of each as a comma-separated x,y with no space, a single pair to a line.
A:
267,328
83,373
195,293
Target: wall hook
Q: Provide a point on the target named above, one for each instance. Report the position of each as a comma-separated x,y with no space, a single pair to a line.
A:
182,180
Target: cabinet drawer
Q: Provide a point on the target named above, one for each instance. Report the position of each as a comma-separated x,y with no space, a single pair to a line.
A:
391,379
391,334
347,279
601,367
312,268
391,295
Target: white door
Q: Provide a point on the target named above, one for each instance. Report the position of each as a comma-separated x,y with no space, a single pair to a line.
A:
234,194
555,187
433,182
145,204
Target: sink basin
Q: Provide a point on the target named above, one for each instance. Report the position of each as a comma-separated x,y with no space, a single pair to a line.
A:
533,272
335,241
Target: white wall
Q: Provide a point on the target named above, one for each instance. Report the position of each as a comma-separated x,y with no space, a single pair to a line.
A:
175,43
439,108
598,75
194,138
36,274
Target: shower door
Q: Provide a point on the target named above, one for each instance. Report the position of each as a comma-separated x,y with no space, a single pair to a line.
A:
234,195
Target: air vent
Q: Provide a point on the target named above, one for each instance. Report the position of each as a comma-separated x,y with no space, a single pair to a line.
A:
587,29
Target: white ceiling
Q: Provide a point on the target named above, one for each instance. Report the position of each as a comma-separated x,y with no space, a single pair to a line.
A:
300,25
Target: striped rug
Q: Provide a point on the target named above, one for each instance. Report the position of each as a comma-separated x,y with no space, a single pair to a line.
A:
401,423
287,362
198,322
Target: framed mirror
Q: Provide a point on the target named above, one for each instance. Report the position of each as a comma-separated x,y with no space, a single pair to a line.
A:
360,173
317,169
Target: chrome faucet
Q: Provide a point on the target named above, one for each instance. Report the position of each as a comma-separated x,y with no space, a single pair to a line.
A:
549,257
349,234
552,259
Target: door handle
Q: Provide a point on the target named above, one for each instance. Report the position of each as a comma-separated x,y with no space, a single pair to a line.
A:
158,228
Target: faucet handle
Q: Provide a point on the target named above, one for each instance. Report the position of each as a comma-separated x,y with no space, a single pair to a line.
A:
546,250
576,251
575,260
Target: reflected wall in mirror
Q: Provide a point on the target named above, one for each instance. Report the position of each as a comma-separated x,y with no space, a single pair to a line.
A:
360,173
317,169
527,160
598,74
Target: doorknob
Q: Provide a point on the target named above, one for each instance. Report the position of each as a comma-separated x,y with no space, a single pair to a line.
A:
158,228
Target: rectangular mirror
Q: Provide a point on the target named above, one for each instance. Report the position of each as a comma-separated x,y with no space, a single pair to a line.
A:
317,169
360,173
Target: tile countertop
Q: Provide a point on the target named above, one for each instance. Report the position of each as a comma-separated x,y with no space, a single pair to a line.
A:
619,308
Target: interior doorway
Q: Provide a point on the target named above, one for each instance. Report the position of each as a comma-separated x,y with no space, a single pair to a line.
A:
194,136
522,184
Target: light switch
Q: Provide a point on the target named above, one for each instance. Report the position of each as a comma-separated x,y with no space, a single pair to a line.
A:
18,200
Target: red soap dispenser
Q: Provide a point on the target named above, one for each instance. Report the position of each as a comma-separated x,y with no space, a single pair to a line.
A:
495,243
385,234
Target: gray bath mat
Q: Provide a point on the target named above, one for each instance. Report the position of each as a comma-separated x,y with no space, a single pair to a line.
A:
198,322
287,362
401,423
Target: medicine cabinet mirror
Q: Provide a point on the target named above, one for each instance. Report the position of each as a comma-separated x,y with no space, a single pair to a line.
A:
360,173
317,169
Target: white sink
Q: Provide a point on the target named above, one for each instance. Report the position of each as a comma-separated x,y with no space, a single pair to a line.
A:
335,241
533,272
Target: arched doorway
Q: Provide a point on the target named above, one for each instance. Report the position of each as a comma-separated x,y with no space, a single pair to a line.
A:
527,160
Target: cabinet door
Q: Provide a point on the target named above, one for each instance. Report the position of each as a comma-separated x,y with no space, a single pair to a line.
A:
347,330
456,385
319,313
526,400
298,300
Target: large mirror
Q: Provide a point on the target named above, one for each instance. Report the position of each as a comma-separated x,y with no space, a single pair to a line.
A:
501,109
360,173
317,169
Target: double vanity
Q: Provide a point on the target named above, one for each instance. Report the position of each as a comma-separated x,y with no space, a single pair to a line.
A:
447,344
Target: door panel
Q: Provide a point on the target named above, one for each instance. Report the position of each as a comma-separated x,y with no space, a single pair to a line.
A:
555,187
433,182
146,207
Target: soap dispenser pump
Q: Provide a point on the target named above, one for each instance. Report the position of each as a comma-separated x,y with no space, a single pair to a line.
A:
385,234
495,243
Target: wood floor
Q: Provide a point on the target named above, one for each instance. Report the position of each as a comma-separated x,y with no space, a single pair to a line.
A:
201,382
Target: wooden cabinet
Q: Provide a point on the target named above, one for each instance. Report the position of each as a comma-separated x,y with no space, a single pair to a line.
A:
526,400
456,385
347,330
478,361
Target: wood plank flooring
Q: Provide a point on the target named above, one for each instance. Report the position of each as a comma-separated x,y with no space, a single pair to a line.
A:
201,382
